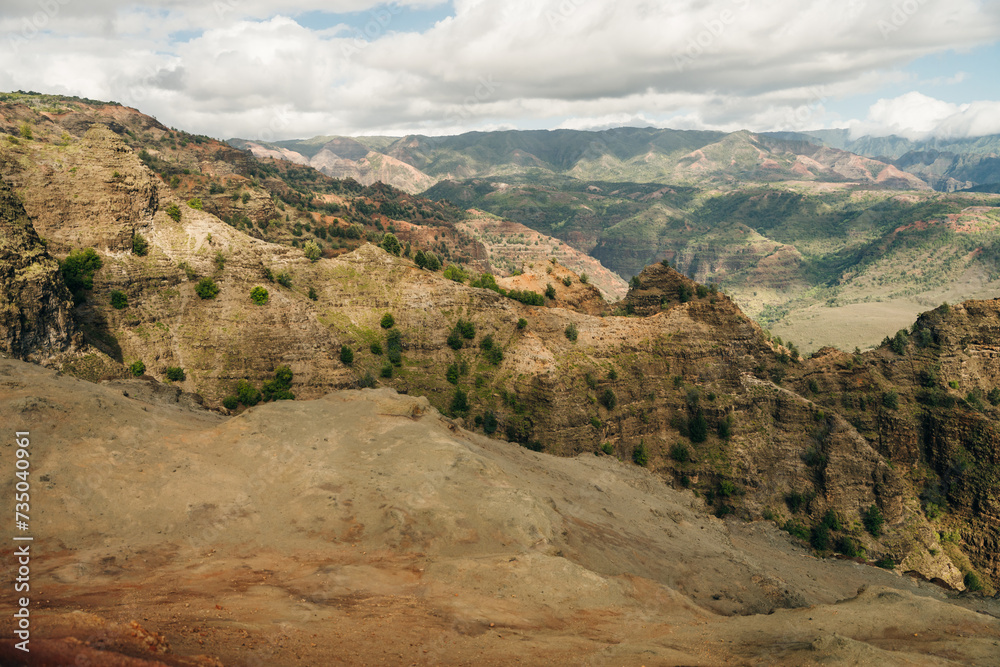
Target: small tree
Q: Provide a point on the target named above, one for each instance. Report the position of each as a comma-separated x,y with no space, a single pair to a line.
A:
452,374
137,368
346,355
312,251
873,520
175,374
196,204
78,270
230,402
259,295
388,321
640,455
247,394
140,246
118,299
206,288
550,291
698,427
459,403
391,244
313,296
284,279
174,212
571,332
608,399
522,323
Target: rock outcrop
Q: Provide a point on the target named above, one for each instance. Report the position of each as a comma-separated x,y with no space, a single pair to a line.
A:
35,320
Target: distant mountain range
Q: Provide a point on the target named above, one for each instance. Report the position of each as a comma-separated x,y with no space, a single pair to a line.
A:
415,163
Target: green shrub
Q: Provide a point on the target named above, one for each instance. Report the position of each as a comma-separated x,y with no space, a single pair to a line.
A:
284,279
595,422
832,520
873,520
571,332
640,455
994,397
899,342
819,538
376,349
726,488
726,427
486,343
313,296
175,374
312,251
455,340
259,295
607,448
467,329
608,399
526,297
567,281
140,246
247,394
118,299
391,244
890,399
684,293
698,427
388,321
886,563
215,189
679,452
550,291
137,368
797,529
584,278
494,355
701,291
196,204
346,355
386,371
490,422
455,273
849,547
459,403
206,288
78,270
395,356
972,581
279,389
174,212
25,130
230,402
394,340
522,323
452,374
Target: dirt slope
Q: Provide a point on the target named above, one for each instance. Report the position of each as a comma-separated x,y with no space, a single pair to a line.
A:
364,527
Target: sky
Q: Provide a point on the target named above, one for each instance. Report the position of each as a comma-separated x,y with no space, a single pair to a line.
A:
265,70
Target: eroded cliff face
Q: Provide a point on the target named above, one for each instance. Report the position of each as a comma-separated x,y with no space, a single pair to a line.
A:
35,320
90,193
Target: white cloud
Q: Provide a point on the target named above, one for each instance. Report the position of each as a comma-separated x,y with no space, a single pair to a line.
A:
246,68
916,116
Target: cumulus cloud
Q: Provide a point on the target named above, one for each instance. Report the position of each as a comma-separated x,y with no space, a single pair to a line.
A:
916,116
249,68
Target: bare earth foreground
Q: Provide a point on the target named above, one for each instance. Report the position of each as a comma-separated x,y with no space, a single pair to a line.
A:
364,528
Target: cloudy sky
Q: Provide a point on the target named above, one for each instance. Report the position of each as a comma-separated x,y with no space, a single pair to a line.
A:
270,70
